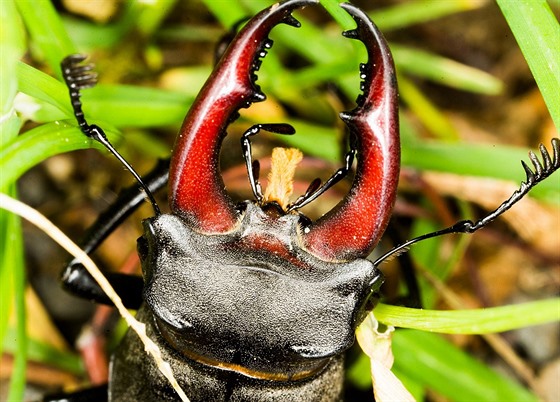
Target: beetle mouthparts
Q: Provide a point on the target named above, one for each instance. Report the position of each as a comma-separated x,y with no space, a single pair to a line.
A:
281,177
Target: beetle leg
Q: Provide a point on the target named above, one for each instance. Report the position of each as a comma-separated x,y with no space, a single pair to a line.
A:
77,280
354,226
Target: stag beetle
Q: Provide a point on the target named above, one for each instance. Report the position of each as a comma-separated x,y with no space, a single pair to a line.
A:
255,302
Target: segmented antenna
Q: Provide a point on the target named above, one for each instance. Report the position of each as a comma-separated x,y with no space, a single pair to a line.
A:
80,76
541,171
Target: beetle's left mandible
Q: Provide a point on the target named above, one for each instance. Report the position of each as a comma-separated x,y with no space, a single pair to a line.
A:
354,227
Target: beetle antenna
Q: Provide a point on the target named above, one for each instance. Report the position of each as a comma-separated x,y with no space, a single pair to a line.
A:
79,76
541,171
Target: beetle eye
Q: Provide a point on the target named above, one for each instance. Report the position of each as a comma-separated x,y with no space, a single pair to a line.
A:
142,247
145,246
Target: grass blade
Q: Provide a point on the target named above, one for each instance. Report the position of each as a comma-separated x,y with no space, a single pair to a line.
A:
46,354
13,275
12,269
47,31
465,159
442,367
477,321
417,12
39,144
538,33
445,71
42,86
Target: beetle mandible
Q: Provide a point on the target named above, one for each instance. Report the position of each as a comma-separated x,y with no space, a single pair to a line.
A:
254,302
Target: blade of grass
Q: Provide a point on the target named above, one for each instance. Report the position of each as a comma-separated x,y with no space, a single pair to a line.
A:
147,144
89,35
417,389
153,14
46,354
445,71
12,47
39,144
7,269
37,84
309,135
537,32
341,17
477,321
465,159
130,106
227,12
417,12
317,74
432,118
13,262
12,269
430,360
422,64
47,32
359,372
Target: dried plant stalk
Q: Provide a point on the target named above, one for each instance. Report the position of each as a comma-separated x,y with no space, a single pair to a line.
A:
39,220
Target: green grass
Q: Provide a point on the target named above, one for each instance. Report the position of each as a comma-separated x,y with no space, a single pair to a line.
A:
537,32
121,109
